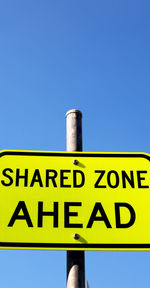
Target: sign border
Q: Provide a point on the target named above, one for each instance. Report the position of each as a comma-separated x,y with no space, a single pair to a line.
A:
66,246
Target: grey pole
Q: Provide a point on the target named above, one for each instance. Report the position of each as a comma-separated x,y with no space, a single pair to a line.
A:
75,259
74,130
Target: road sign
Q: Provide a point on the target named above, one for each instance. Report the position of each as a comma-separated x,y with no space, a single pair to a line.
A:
78,201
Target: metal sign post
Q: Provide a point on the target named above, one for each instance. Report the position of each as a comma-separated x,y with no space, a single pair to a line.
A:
75,259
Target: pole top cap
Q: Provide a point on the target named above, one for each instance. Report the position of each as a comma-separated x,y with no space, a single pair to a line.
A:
74,111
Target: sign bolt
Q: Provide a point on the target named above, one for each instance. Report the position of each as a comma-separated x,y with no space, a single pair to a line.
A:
76,236
75,162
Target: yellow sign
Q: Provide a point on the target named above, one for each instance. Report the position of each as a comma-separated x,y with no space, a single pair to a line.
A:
74,201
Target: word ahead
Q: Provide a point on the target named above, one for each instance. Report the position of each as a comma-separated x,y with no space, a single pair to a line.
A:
98,202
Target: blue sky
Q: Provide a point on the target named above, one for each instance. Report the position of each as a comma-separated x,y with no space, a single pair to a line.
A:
92,56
